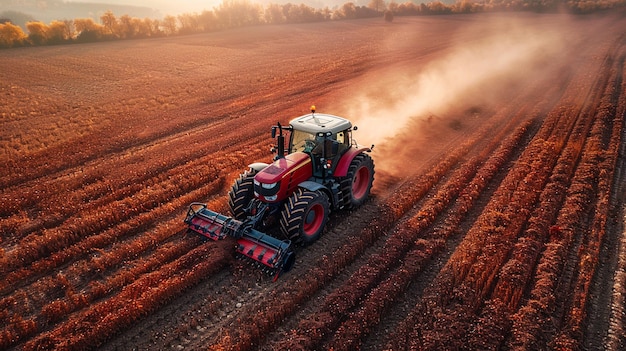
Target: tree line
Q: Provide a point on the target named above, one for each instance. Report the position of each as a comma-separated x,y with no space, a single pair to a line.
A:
239,13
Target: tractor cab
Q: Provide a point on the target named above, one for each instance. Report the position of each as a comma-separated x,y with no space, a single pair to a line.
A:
324,137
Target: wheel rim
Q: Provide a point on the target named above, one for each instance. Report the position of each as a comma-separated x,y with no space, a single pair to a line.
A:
360,183
313,220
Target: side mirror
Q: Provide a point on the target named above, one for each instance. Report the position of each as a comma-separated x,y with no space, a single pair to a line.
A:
273,132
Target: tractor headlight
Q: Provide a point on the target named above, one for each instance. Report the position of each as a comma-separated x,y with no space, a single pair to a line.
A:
271,198
266,189
268,186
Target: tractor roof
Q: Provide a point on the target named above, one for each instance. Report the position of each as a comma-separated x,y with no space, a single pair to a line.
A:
320,122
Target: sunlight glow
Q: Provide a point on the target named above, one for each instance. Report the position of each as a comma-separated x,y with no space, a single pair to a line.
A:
181,6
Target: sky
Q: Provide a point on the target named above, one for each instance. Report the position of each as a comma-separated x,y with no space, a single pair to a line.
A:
167,7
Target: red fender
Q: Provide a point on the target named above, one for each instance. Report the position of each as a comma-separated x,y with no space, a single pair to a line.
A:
344,163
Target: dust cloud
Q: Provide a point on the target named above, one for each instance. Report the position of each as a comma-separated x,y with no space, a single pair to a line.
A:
414,111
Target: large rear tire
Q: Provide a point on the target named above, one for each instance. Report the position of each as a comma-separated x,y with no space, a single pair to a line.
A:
304,216
357,184
241,193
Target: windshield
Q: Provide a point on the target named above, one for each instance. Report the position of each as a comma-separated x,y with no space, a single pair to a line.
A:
302,141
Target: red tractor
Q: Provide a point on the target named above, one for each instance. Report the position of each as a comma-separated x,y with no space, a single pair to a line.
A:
320,170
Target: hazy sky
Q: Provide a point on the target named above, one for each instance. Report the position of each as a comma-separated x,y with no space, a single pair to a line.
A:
176,7
167,7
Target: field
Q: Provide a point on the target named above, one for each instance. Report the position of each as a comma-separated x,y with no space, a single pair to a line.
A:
496,220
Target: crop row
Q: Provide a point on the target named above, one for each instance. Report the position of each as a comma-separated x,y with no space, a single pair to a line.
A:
617,325
604,145
582,224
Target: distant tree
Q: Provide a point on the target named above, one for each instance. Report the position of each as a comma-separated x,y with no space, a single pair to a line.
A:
144,27
465,6
189,23
366,12
109,21
86,24
37,32
301,13
169,25
542,5
407,9
11,35
326,14
347,11
139,28
388,16
208,21
88,30
377,5
438,8
60,31
70,29
128,27
393,6
274,14
153,27
238,13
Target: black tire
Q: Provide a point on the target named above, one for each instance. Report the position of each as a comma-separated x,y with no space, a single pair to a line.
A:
357,184
240,194
304,216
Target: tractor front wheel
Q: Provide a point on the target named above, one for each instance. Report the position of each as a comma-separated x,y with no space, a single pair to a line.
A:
304,216
357,184
241,193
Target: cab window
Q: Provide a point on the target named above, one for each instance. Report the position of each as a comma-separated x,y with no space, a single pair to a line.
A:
302,141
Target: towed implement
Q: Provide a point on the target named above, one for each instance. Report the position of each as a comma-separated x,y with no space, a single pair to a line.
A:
320,169
275,255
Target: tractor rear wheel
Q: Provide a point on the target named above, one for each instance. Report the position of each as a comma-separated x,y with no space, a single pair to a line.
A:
358,182
304,216
241,193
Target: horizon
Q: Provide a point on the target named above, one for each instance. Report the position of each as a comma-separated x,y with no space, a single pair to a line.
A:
191,6
162,6
157,9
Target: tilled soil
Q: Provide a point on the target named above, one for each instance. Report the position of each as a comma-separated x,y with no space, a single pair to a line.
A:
495,222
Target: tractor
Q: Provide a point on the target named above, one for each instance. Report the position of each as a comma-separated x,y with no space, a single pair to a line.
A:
321,169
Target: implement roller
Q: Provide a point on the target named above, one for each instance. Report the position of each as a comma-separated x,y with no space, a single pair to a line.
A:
275,255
